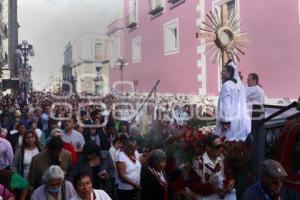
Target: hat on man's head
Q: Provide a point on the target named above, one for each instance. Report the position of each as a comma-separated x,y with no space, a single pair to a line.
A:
273,169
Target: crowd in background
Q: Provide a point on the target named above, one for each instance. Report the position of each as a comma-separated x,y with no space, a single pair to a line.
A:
77,148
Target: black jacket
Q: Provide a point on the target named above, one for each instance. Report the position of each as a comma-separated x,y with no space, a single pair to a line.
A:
258,192
14,140
151,188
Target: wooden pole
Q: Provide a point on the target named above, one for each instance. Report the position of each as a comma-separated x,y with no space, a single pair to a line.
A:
224,19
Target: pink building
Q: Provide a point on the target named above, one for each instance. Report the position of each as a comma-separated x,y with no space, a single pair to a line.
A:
157,38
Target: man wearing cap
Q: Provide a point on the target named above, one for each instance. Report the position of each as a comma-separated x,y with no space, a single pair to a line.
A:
270,185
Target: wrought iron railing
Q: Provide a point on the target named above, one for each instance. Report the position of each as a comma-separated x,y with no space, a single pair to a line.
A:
267,131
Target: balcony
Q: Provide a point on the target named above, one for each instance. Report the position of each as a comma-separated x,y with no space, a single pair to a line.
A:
156,7
114,26
132,20
176,2
98,79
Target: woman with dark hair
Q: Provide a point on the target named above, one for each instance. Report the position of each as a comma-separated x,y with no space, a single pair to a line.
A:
124,128
129,171
153,179
98,164
23,155
84,188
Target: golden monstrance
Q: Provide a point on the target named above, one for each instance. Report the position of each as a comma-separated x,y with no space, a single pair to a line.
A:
222,36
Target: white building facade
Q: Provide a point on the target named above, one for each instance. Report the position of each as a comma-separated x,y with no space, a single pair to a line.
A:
85,56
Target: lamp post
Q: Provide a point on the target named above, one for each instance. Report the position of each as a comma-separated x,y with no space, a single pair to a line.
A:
121,62
24,50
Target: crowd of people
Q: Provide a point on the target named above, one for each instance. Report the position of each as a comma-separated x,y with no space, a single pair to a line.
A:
58,147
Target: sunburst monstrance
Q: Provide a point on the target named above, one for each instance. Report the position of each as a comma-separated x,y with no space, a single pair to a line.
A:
222,36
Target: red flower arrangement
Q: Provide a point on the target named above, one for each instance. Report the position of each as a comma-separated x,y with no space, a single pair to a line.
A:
237,155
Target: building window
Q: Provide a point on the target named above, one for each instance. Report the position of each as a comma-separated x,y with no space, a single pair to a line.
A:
136,49
156,6
98,51
132,14
112,49
99,70
171,37
115,47
232,7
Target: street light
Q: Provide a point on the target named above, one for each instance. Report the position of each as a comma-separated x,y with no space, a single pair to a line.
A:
98,83
121,62
24,50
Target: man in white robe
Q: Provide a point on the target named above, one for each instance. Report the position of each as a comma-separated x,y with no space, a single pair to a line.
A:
254,92
233,119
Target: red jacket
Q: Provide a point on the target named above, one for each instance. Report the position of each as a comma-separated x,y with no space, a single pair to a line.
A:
69,147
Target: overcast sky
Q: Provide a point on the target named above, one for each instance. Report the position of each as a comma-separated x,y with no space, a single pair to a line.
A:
49,24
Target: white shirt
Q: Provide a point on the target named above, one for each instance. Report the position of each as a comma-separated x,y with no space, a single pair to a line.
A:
215,177
100,195
75,138
133,171
114,153
28,154
255,95
20,140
